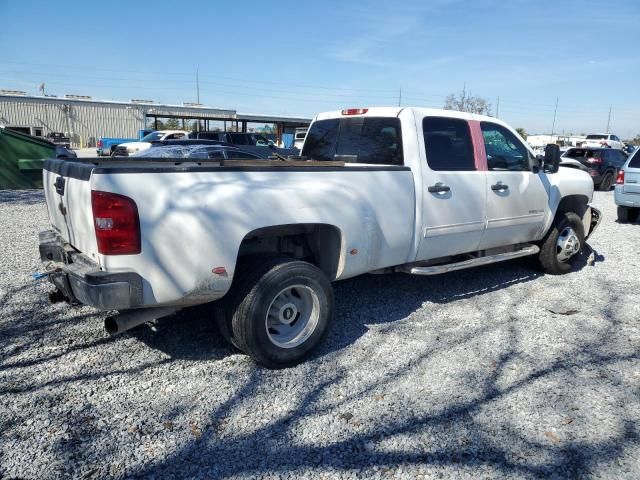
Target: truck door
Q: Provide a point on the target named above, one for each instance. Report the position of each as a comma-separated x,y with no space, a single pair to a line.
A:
455,192
517,198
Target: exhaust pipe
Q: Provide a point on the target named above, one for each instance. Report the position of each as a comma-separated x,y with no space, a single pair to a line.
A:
132,318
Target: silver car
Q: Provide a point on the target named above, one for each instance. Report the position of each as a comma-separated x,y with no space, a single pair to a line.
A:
627,193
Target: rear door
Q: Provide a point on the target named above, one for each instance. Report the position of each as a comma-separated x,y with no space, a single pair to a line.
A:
454,200
517,198
632,174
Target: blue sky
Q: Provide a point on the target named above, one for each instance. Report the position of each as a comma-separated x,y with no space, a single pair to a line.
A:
299,58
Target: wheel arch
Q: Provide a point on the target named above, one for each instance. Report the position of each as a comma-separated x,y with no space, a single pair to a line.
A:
318,243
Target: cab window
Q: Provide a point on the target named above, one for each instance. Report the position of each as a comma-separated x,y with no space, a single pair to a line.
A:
504,150
447,143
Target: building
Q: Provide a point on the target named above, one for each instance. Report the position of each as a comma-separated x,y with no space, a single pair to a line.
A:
84,119
539,141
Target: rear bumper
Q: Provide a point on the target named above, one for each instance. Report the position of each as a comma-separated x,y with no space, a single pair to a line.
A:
80,279
626,199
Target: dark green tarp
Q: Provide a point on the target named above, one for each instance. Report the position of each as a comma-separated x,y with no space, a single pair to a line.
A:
21,159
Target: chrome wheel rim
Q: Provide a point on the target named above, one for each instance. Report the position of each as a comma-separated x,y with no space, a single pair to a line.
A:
568,244
292,316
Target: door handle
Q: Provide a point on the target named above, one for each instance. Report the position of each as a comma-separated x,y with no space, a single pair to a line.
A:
438,188
499,187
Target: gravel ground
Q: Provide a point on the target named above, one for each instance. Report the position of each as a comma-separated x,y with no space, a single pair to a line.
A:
467,375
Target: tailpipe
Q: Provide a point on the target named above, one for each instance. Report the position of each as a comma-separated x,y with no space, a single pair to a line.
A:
128,319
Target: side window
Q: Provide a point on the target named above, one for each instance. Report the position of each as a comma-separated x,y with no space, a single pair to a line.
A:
635,161
613,137
447,143
504,150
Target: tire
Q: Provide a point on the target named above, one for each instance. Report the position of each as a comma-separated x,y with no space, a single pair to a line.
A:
567,230
606,183
266,294
623,214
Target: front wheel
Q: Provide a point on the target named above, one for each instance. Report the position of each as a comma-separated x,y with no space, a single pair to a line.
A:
562,243
278,310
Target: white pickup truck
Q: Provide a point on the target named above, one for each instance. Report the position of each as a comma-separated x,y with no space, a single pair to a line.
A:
376,190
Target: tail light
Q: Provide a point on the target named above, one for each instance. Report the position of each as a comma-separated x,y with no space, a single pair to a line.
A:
115,218
355,111
604,143
99,144
597,160
620,177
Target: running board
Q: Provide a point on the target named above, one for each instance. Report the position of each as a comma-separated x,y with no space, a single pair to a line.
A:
472,262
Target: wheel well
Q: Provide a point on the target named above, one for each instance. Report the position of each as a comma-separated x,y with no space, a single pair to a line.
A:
317,243
573,203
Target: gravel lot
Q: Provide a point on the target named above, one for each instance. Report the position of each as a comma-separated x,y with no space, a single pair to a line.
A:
467,375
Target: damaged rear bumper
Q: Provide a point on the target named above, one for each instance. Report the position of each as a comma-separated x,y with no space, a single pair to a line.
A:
80,280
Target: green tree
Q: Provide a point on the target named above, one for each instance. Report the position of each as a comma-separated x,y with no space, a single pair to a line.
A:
522,132
172,124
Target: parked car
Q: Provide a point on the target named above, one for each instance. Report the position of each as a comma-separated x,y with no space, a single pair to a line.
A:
250,142
145,142
627,190
299,136
64,152
411,190
194,151
107,145
59,138
121,151
602,164
606,140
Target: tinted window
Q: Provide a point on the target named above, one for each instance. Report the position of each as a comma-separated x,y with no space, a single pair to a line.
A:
635,160
447,143
613,137
360,139
583,153
239,154
504,150
596,137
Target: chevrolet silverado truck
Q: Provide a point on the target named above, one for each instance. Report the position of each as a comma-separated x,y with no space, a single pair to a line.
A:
375,190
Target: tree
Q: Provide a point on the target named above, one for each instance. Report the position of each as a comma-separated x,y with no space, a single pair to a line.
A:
522,132
467,103
172,124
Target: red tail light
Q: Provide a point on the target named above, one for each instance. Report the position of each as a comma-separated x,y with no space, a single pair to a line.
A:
99,144
355,111
604,144
115,219
597,160
620,177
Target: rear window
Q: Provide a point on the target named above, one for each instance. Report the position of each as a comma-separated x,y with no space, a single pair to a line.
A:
356,140
635,160
596,137
583,153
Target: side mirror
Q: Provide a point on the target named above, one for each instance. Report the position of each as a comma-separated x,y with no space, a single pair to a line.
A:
551,158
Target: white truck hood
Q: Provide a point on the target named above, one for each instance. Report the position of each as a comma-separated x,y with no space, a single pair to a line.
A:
133,147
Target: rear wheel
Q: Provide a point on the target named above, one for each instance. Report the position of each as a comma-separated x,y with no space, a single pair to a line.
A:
627,214
606,183
277,311
560,247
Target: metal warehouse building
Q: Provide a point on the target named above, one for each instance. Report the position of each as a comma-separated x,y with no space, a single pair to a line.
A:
84,120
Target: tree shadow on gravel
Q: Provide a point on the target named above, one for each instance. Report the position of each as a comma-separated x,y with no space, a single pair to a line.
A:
26,197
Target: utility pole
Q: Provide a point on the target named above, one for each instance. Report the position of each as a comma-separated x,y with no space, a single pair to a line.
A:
197,87
498,108
609,119
553,127
400,97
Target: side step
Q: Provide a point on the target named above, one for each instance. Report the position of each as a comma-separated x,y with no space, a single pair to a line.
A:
472,262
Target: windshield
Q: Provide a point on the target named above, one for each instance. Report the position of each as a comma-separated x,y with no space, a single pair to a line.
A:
596,137
152,137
